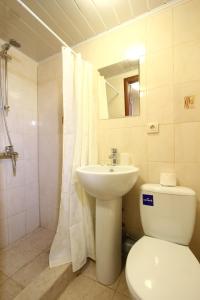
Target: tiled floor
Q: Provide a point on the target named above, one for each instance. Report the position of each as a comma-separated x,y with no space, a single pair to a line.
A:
85,287
22,261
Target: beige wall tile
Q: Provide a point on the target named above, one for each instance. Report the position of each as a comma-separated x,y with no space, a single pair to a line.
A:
187,142
187,21
3,204
131,140
32,218
143,75
159,30
180,91
161,145
155,168
49,69
160,104
138,145
16,227
159,68
114,138
188,175
116,45
187,62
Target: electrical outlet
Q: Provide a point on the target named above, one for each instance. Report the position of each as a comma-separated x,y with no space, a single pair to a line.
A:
153,127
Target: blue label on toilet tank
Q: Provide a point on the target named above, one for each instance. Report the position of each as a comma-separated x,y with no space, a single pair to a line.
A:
147,200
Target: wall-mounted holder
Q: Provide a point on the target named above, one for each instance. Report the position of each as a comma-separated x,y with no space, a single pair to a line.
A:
189,102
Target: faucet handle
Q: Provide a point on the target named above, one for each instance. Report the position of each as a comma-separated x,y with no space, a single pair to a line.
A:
114,150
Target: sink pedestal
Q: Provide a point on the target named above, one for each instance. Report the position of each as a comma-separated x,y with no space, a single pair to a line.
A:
108,239
108,184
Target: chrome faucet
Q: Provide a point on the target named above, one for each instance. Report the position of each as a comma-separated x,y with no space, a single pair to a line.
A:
113,156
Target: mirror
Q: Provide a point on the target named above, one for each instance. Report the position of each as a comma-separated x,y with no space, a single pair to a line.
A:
122,81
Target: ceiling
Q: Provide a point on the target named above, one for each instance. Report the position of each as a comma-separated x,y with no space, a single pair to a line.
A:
73,20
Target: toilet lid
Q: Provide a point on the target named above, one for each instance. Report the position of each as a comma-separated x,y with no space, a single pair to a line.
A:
161,270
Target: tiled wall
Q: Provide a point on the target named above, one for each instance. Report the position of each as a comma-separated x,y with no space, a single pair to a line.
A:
50,138
168,43
19,201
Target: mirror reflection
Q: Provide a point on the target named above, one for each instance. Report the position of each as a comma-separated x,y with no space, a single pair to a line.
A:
122,81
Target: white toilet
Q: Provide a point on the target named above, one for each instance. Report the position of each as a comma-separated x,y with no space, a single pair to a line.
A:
160,266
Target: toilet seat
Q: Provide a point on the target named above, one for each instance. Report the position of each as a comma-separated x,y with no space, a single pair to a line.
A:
161,270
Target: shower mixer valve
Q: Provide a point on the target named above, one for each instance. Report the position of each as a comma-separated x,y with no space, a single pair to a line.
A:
9,153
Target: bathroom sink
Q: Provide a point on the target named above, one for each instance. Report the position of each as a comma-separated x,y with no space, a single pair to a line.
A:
106,182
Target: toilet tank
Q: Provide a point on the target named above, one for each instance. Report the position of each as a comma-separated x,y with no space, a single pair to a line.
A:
168,213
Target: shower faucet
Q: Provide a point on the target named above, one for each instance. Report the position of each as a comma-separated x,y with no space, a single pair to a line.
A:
9,153
113,156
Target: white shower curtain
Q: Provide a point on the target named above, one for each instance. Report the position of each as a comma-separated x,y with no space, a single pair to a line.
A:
74,239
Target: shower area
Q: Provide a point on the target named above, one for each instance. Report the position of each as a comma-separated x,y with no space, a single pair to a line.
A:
30,146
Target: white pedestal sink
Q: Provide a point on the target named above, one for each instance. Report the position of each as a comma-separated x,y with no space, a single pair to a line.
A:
108,184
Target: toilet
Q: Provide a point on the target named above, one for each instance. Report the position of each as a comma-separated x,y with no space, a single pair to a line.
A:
160,265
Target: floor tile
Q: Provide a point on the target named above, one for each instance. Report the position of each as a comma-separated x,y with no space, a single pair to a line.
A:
14,259
20,253
83,288
119,296
122,287
26,274
41,239
90,271
9,290
115,284
3,277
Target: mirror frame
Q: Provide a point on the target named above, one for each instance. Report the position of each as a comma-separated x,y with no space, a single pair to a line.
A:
127,82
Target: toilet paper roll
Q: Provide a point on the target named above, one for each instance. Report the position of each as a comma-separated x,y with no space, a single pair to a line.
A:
168,179
124,159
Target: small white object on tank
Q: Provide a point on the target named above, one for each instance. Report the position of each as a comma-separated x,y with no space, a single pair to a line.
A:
168,179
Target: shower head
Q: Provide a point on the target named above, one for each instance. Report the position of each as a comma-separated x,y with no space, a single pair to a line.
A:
14,43
5,47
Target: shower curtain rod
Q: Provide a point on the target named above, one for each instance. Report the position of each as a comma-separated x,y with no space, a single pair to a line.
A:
53,33
110,85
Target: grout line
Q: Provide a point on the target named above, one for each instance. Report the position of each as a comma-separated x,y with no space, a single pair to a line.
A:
16,282
38,149
30,261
